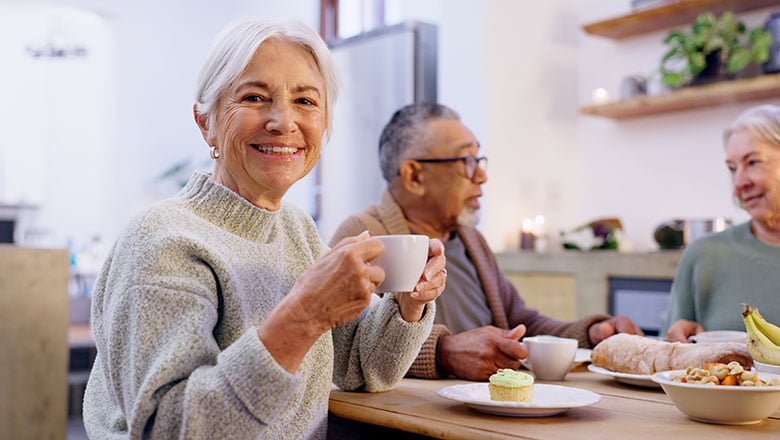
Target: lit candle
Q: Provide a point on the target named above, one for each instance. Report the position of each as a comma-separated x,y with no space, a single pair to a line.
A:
539,221
600,96
527,236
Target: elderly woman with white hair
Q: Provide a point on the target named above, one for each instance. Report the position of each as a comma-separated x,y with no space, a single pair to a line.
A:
221,313
719,272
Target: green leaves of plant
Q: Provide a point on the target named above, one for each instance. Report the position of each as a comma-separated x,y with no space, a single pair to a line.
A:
739,58
760,40
727,36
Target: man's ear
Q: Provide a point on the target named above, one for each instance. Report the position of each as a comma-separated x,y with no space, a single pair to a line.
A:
412,177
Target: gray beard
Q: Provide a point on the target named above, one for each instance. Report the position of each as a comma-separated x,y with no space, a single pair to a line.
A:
469,217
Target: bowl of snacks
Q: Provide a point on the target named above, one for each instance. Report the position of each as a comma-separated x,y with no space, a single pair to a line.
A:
722,393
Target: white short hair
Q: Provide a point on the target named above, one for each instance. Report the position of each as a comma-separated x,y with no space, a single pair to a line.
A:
762,122
233,49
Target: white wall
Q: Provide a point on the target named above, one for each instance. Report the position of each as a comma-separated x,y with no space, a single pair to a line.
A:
531,118
56,122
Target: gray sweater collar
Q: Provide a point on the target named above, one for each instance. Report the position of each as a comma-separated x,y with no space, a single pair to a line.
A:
220,205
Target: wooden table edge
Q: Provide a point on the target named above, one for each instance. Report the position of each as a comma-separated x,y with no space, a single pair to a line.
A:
420,424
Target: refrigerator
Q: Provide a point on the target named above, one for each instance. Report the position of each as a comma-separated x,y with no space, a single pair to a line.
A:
380,71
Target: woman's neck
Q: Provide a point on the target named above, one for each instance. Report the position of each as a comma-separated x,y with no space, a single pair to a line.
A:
766,233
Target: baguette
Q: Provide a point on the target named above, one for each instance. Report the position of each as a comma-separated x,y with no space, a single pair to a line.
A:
624,353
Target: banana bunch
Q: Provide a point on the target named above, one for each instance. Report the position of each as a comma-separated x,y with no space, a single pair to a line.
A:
763,340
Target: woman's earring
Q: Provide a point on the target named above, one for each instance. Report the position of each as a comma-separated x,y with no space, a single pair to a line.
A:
214,153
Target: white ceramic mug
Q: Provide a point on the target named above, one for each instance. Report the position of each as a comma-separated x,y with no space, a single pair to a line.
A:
550,357
403,260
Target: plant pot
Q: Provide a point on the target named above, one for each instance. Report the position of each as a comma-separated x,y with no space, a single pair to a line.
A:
750,71
714,70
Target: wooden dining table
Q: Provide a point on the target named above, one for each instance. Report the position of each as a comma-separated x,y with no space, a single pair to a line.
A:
414,409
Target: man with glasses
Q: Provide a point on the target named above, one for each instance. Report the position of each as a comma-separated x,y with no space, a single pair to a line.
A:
434,173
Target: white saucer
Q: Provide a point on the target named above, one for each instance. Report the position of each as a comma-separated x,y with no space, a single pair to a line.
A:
640,380
582,356
547,400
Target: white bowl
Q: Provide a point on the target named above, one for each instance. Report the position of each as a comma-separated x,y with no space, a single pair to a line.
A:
766,368
728,405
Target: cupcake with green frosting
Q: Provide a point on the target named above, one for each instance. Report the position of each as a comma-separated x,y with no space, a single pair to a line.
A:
511,386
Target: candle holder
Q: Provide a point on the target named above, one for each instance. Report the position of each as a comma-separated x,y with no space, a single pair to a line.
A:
600,96
527,236
527,241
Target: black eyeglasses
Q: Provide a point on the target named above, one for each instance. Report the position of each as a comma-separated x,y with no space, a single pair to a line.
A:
470,161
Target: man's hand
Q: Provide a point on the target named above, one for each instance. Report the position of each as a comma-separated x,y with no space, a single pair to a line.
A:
618,324
681,329
478,353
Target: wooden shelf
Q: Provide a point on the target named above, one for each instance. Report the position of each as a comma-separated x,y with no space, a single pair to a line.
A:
725,92
669,15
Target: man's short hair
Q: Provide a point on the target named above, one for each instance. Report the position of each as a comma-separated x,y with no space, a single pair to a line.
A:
403,132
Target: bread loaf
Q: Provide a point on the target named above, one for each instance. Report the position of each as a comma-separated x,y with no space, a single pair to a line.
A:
634,354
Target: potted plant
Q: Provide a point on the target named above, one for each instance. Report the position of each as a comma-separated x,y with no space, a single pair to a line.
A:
715,48
603,233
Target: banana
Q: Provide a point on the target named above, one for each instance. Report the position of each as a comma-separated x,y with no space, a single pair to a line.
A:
762,337
770,330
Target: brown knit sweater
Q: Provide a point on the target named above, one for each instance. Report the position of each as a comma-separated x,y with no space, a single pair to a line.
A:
507,307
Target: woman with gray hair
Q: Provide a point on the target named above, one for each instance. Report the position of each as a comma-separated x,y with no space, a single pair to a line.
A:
719,272
221,313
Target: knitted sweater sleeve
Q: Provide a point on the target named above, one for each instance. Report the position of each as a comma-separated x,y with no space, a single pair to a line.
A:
425,365
374,351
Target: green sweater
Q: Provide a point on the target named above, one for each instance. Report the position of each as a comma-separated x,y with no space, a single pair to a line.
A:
175,314
718,273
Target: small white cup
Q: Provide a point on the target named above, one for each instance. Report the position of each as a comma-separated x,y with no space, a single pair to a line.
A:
403,260
550,357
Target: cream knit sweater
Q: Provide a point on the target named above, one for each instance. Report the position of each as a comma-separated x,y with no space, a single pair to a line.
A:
175,311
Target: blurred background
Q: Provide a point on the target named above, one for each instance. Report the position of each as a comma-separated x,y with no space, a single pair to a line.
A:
97,120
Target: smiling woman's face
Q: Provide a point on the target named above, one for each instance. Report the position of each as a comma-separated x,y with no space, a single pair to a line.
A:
269,124
755,176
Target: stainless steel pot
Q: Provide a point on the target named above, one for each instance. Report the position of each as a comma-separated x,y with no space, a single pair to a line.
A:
697,228
676,233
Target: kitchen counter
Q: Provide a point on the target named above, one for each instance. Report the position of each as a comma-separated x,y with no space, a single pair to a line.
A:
574,284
